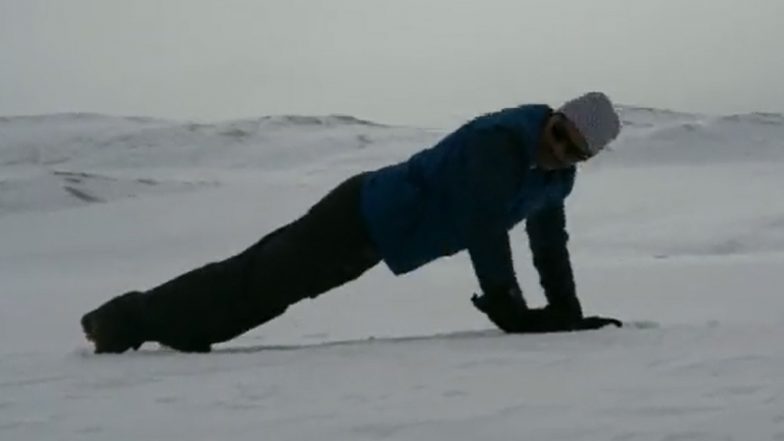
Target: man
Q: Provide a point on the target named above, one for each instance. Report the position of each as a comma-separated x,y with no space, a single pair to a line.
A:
464,193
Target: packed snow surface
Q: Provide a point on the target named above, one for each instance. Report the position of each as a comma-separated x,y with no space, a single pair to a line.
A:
677,230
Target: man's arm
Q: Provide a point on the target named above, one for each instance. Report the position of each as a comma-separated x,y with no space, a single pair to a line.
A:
502,299
492,176
547,237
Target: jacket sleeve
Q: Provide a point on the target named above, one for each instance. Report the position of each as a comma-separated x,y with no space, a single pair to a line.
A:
493,173
548,239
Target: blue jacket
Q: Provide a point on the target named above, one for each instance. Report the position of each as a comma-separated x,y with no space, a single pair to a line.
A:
466,193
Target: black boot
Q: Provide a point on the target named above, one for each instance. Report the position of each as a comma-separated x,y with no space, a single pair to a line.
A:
116,326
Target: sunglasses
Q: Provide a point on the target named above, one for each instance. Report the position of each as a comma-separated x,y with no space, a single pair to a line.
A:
573,152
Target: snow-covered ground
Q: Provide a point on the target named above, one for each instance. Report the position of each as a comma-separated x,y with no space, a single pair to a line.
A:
679,230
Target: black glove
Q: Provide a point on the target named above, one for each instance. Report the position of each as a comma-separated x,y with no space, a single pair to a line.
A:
596,322
514,317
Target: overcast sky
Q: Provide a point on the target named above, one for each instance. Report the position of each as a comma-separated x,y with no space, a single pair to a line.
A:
426,62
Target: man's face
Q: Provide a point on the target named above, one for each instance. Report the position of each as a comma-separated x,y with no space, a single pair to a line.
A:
561,145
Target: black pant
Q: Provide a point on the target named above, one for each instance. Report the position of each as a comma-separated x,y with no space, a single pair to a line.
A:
323,249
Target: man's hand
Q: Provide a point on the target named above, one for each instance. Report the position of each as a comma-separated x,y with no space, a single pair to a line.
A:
596,322
516,318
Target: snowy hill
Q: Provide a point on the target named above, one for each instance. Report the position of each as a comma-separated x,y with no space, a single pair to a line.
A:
58,161
679,230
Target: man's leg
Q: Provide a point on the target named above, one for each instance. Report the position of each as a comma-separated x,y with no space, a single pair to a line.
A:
325,248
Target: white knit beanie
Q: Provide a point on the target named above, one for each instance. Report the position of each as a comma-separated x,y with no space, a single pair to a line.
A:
594,116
